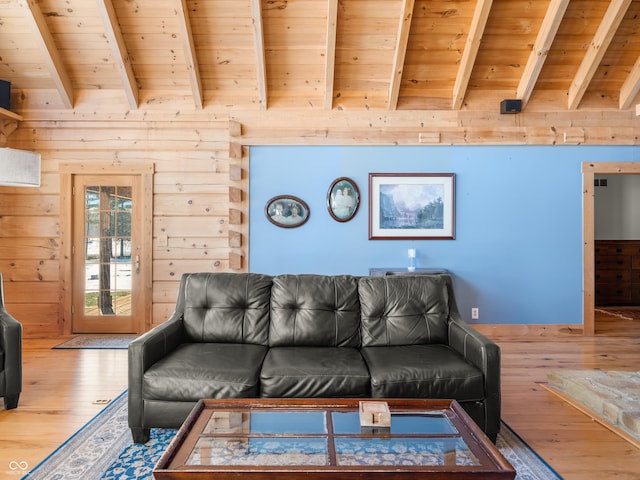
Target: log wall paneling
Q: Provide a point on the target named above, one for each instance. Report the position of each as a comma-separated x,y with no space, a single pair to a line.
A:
29,254
189,216
199,217
238,200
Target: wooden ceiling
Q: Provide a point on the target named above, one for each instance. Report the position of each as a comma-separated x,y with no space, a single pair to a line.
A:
326,54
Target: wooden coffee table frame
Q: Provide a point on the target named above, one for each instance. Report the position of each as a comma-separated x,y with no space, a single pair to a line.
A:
492,465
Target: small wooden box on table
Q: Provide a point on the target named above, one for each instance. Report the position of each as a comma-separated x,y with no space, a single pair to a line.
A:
322,439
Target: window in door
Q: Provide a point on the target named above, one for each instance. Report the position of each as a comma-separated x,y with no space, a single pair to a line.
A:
106,253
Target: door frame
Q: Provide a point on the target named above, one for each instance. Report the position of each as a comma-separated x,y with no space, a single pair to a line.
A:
67,172
589,171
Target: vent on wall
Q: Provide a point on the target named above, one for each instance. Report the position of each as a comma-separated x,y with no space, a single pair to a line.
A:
19,168
600,182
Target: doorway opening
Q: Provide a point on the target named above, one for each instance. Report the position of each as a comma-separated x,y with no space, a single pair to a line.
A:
589,172
108,276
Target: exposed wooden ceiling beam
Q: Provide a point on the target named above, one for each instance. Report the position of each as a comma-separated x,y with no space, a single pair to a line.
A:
476,30
52,58
548,30
119,51
258,38
330,55
402,39
630,87
190,53
598,47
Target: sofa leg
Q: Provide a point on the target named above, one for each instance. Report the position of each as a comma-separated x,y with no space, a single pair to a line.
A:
11,401
140,435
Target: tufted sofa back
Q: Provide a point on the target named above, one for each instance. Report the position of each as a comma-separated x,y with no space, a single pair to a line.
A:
315,310
404,310
226,307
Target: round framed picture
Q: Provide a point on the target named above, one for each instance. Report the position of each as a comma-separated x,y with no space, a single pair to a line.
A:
287,211
343,199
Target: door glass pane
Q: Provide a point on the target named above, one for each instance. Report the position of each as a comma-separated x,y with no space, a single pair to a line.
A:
92,199
107,250
124,198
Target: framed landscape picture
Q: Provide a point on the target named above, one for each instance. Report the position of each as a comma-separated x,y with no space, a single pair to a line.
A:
419,206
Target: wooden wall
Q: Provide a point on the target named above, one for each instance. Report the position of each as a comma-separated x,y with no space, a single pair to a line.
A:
198,204
200,157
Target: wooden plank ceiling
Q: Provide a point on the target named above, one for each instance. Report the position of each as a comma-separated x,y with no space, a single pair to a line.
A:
327,54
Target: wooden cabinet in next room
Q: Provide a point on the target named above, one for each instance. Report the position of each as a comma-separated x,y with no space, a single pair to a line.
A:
617,272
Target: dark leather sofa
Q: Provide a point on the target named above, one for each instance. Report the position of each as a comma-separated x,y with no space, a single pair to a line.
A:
236,335
10,356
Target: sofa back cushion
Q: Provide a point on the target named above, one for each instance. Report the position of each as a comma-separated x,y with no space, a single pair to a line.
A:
227,307
315,310
403,310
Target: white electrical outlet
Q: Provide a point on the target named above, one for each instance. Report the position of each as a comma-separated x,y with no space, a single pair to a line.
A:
475,313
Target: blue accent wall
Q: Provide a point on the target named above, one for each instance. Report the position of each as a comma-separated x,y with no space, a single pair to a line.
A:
517,255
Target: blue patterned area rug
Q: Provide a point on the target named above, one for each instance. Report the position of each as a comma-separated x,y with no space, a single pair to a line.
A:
97,341
103,450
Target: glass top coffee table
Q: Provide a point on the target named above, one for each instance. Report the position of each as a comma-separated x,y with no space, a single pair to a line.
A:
322,439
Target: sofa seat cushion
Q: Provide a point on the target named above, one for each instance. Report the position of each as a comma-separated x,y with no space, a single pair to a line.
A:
422,371
314,372
206,370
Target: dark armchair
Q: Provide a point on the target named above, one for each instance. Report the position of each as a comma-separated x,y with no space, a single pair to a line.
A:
10,356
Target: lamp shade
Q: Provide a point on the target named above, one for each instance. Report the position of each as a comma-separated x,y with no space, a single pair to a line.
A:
19,168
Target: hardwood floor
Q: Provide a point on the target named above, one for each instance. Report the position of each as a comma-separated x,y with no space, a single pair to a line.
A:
61,388
573,444
59,391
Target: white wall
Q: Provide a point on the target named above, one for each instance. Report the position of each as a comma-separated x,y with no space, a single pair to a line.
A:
617,208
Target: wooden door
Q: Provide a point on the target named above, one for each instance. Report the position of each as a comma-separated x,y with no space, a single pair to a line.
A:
107,260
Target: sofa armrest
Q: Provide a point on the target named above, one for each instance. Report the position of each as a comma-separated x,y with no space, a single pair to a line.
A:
477,349
150,347
11,339
145,351
484,354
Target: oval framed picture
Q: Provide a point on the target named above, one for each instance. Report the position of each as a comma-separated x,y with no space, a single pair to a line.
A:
287,211
343,199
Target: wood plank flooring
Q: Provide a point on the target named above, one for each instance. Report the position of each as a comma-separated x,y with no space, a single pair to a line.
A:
61,386
58,394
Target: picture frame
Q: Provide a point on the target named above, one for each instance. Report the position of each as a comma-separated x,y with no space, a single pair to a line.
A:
343,199
415,206
287,211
